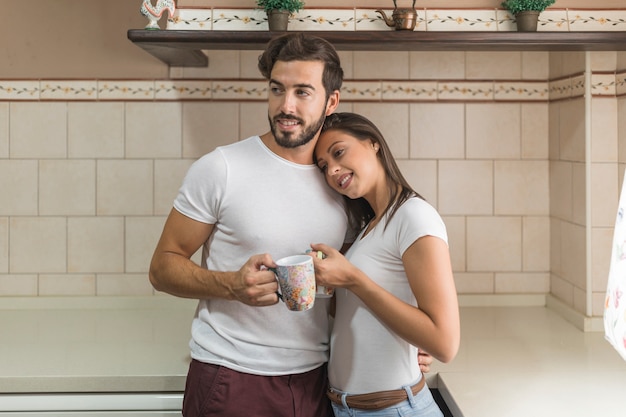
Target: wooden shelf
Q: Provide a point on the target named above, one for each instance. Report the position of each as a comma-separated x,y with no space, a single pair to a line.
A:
184,47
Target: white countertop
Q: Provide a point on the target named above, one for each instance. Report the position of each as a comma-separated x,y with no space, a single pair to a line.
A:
513,361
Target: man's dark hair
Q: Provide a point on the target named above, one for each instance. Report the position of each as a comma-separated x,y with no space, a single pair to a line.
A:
303,47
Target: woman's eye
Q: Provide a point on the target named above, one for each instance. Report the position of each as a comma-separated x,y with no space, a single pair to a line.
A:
338,153
323,167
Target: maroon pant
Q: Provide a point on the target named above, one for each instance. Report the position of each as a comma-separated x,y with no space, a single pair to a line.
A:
213,390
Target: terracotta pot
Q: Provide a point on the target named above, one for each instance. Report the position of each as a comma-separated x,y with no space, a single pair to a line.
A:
278,20
527,21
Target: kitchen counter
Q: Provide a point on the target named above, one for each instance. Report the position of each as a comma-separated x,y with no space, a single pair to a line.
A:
513,361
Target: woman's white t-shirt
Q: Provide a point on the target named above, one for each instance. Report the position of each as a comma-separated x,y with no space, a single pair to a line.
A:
365,355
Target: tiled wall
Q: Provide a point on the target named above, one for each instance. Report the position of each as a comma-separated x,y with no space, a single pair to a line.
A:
495,140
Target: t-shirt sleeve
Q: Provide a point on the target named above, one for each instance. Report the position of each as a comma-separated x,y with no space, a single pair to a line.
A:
203,188
419,219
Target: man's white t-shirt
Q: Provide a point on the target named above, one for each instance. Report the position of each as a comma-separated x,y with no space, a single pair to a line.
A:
259,203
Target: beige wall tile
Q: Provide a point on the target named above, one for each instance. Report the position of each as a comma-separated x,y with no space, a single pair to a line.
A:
572,130
580,300
168,177
95,130
579,194
4,244
598,300
604,194
536,246
535,130
347,63
18,285
493,65
37,244
496,244
208,125
38,130
535,65
95,244
621,60
124,187
437,65
123,285
521,187
141,237
561,189
393,121
474,283
255,120
573,254
457,242
465,187
562,289
422,176
153,130
222,64
381,65
437,130
566,63
67,187
73,285
604,131
18,182
554,114
493,131
248,63
555,246
522,283
4,130
601,251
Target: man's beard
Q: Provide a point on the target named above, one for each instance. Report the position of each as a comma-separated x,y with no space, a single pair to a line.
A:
288,140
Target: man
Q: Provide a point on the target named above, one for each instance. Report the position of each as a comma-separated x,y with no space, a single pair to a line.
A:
248,204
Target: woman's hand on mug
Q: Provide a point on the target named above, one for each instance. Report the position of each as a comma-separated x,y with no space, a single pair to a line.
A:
334,270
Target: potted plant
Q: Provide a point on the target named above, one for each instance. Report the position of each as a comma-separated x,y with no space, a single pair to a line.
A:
526,12
278,11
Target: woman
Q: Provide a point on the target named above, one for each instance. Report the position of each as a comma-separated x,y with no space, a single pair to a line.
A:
394,287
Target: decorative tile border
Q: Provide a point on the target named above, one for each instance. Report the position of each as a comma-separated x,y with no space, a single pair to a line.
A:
553,20
620,84
605,84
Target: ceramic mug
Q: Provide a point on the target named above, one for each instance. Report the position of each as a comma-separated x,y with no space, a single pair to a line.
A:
296,278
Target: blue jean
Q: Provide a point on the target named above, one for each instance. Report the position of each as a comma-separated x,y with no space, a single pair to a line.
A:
421,405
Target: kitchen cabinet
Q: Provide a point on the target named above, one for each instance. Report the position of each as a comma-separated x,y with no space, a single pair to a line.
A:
184,47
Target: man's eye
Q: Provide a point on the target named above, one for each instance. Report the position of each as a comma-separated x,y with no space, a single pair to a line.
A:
275,90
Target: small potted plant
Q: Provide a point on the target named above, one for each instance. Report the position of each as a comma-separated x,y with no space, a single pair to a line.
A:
526,12
278,11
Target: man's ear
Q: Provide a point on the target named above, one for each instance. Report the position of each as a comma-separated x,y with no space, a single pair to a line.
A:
332,102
